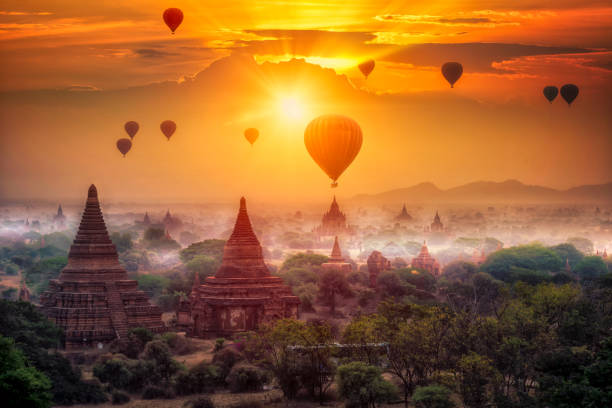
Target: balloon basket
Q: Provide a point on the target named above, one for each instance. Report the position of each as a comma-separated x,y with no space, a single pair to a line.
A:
334,184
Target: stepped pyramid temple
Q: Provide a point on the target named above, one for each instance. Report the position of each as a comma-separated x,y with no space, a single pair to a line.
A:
334,222
93,301
336,261
242,294
425,261
403,215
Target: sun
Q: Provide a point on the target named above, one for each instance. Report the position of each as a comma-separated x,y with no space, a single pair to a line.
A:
291,107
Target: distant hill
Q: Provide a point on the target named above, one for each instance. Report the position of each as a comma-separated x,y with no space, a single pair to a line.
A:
509,191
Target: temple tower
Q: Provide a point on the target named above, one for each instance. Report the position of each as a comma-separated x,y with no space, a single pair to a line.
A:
425,261
333,222
336,261
93,301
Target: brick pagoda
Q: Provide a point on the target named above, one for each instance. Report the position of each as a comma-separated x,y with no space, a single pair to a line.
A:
336,261
333,222
425,261
242,294
93,300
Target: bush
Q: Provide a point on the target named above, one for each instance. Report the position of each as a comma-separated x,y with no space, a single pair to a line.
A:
179,345
200,402
362,385
154,392
225,359
433,396
120,398
219,344
245,378
200,378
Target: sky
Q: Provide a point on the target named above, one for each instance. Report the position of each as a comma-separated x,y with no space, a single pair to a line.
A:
73,72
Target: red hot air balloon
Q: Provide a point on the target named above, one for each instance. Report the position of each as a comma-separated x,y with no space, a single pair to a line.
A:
131,128
168,128
333,142
569,92
173,18
550,93
251,134
452,72
124,146
366,67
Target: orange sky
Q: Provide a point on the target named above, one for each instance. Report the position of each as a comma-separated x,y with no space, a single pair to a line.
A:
73,72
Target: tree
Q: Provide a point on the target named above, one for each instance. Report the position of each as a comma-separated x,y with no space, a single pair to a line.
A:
459,270
203,265
362,385
591,267
209,247
20,385
475,374
304,260
123,242
568,252
432,396
158,352
584,245
390,284
534,257
331,283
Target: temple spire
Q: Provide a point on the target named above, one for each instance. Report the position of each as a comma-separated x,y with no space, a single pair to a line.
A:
336,254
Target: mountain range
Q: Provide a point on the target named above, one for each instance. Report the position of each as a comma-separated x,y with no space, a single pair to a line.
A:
509,191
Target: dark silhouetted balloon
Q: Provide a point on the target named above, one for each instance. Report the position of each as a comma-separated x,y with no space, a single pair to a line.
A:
168,128
251,134
550,92
131,128
569,92
124,146
173,18
333,142
366,67
452,72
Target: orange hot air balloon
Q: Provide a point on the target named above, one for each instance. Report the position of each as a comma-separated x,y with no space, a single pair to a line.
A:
333,142
124,146
251,134
168,128
131,128
452,72
173,18
366,67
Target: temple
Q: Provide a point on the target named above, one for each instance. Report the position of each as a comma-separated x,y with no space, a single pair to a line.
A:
436,225
377,263
333,222
93,301
425,261
403,215
146,220
479,257
242,294
171,223
59,219
336,261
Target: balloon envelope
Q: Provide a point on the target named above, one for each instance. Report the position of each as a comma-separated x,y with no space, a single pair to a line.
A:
366,67
131,128
173,18
251,134
550,92
333,142
124,146
452,72
569,92
168,128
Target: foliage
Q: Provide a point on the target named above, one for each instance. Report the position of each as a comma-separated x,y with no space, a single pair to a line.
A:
211,247
303,260
391,285
420,279
21,385
203,265
58,240
362,385
568,252
591,267
246,378
152,284
198,379
37,276
225,359
180,345
584,245
155,392
432,396
475,374
331,283
459,271
123,242
155,239
534,257
158,352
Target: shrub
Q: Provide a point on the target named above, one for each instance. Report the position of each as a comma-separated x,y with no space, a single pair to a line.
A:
219,344
362,385
120,398
246,377
200,378
433,396
225,359
179,345
200,402
154,392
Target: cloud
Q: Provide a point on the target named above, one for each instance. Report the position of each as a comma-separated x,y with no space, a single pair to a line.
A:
445,21
25,13
152,53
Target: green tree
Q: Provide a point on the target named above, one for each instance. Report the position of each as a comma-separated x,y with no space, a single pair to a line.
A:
304,260
459,271
209,247
331,283
591,267
432,396
584,245
475,374
21,386
203,265
568,252
534,257
362,385
123,242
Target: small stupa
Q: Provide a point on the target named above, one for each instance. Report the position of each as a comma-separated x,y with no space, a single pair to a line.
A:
425,261
242,294
336,261
403,215
93,300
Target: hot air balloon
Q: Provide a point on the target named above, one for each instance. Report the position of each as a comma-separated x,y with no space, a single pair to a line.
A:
333,142
168,128
131,128
173,18
550,92
366,67
251,134
452,72
569,92
124,146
